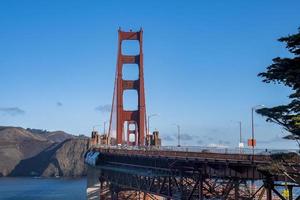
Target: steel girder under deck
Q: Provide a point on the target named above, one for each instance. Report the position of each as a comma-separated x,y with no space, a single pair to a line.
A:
147,177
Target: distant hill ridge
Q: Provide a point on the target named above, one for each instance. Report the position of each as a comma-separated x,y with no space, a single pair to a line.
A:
37,131
29,152
55,136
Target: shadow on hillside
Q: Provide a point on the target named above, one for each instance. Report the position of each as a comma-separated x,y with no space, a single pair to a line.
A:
35,166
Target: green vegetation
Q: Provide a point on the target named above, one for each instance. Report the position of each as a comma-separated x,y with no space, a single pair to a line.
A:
286,71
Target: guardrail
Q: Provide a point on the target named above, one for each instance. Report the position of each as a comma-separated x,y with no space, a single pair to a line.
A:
198,149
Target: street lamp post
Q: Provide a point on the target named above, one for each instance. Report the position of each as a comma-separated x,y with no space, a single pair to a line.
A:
240,123
95,126
241,144
178,134
104,127
104,132
148,129
149,116
252,125
178,129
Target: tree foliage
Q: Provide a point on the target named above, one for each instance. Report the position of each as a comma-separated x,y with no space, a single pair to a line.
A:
286,71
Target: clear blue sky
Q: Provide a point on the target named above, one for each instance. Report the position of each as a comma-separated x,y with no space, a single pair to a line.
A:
57,64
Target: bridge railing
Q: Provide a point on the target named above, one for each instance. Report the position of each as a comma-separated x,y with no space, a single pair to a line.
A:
246,151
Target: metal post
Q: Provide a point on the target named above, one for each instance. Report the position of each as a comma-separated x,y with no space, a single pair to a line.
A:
240,131
178,134
252,124
95,127
101,195
149,116
148,130
178,129
290,188
169,186
181,183
100,188
269,185
241,145
104,127
201,188
148,127
236,189
269,193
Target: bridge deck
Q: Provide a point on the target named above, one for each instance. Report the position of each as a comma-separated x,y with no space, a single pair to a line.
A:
188,154
158,171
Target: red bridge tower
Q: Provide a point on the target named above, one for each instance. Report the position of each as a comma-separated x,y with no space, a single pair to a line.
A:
134,118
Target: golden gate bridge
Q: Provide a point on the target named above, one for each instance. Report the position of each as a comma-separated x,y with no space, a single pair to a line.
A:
129,163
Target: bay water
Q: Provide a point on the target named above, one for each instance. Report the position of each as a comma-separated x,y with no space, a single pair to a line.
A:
42,189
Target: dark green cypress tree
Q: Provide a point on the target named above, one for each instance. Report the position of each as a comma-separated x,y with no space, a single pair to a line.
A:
286,71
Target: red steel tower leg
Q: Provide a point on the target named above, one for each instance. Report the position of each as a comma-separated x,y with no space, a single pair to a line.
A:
138,115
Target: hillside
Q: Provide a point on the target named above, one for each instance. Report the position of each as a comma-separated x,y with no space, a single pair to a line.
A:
54,136
17,144
58,136
60,159
68,160
30,153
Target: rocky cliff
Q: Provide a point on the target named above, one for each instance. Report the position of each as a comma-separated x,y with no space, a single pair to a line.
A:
68,160
40,153
17,144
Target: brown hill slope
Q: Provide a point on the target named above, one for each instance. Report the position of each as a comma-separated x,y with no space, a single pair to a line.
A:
60,159
17,144
55,136
34,152
68,160
58,136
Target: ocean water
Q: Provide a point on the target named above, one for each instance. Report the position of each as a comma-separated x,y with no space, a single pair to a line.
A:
42,189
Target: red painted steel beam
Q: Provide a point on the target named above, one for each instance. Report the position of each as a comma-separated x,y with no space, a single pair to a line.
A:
130,35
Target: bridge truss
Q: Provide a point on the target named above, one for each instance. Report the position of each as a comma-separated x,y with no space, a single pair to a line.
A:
143,173
152,174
